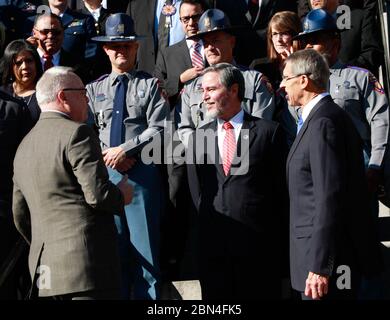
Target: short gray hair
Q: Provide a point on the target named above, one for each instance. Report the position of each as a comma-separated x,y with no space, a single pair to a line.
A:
52,81
229,75
312,64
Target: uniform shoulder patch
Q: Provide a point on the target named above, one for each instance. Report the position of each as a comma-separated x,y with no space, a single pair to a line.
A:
267,83
358,68
376,84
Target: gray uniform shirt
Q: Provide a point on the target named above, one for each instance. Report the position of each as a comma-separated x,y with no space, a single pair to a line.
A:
147,109
359,93
258,101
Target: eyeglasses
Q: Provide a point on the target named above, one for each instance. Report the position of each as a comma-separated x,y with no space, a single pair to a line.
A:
285,78
284,34
75,89
45,32
186,19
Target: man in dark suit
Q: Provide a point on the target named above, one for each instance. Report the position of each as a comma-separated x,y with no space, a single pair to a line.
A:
237,188
331,227
174,65
65,210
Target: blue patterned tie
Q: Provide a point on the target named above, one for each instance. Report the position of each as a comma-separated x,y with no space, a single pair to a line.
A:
299,123
117,133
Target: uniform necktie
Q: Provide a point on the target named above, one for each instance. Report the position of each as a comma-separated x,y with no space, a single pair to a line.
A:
117,133
48,61
196,57
229,146
163,28
299,123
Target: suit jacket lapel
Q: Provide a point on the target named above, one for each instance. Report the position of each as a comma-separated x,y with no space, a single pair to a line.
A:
186,53
218,157
247,124
303,129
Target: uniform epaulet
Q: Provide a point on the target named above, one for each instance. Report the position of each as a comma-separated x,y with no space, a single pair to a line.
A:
104,76
242,67
143,74
358,68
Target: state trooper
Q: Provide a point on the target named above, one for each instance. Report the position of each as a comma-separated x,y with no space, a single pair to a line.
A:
129,112
218,39
354,89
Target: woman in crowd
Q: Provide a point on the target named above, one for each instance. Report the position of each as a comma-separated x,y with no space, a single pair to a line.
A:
21,69
282,28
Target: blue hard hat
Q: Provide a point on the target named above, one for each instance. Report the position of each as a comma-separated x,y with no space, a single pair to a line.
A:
119,28
317,21
213,20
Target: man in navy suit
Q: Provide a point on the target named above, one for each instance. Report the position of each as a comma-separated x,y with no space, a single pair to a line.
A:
237,188
331,229
174,66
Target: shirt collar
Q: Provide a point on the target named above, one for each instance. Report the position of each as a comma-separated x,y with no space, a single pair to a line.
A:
56,111
312,103
114,76
237,120
191,43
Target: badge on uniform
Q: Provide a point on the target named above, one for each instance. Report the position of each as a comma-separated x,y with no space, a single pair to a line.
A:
377,86
100,97
76,23
29,7
141,94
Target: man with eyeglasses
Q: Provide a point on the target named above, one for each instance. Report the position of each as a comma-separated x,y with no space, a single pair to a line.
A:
129,112
48,36
330,223
354,89
184,60
65,210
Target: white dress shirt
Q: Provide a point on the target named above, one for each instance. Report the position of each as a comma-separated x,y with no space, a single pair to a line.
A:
236,122
309,107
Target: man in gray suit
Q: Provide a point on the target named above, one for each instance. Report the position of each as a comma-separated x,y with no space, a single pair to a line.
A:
63,200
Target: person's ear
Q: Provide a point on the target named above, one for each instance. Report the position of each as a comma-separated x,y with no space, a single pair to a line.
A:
61,96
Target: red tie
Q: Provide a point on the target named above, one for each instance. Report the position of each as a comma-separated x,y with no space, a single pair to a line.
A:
229,147
48,61
196,57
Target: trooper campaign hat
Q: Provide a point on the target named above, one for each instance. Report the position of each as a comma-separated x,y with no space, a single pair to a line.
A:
119,28
317,21
213,20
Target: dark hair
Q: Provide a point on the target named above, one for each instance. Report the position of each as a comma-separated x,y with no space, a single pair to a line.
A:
284,21
229,75
202,4
11,52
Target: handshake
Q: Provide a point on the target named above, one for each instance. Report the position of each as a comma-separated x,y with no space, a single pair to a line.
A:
126,189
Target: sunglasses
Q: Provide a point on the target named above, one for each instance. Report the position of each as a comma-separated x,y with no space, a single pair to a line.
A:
45,32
